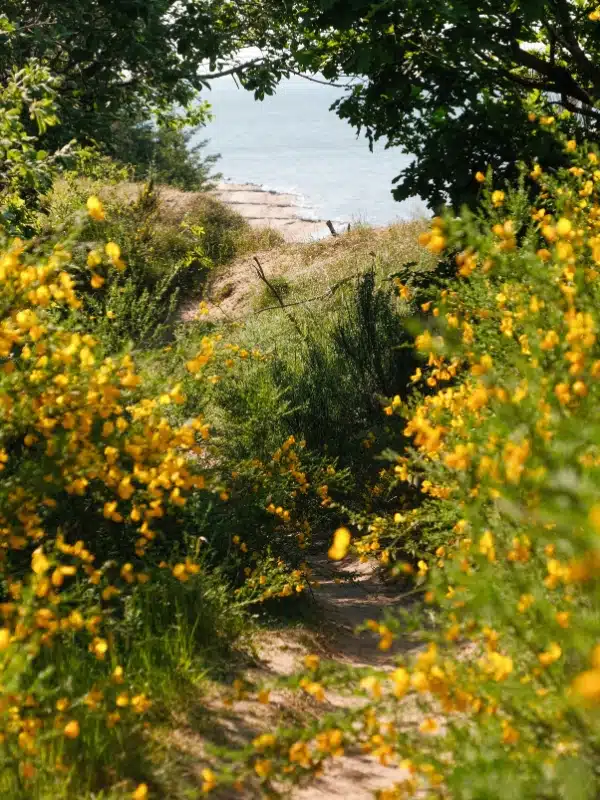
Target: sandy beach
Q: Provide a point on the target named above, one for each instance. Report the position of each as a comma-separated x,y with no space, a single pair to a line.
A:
265,208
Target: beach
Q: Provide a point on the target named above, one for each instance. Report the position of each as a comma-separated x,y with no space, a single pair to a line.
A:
281,211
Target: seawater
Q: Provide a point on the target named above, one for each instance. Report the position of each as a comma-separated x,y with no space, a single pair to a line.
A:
292,142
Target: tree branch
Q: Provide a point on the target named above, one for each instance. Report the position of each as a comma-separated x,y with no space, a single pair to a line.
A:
277,295
329,293
560,77
585,111
570,41
232,71
316,80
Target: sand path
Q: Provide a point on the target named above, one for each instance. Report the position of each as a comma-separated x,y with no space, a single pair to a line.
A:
341,605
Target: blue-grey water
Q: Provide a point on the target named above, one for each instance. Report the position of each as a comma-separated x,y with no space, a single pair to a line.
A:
293,142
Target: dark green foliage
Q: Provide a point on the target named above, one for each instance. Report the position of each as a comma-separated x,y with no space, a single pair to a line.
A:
120,61
337,390
128,75
450,82
370,337
164,153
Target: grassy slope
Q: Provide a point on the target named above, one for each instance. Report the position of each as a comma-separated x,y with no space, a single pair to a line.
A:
309,270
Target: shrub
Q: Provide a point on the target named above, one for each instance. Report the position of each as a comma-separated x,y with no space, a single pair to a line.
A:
163,152
504,699
103,493
337,378
138,302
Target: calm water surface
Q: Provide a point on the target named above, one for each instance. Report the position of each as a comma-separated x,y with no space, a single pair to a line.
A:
292,142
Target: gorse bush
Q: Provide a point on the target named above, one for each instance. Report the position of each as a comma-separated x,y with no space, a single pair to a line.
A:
105,490
504,699
170,241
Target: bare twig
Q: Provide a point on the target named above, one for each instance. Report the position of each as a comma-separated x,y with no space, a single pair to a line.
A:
235,70
329,293
317,80
277,295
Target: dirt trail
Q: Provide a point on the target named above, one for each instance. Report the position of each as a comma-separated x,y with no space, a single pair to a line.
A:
345,606
346,595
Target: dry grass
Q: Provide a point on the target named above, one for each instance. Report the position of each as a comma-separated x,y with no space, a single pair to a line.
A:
311,269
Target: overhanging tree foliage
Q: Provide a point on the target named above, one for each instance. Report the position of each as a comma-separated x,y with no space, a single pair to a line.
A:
450,82
124,63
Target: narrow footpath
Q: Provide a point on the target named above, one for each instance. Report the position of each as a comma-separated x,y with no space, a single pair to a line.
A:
347,594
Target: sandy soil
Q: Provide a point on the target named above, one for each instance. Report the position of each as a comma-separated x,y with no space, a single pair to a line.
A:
309,267
267,209
343,605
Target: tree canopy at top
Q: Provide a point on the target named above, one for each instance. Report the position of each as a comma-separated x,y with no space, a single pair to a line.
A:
116,57
450,82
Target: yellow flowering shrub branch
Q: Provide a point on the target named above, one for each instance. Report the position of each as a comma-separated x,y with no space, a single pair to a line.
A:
505,447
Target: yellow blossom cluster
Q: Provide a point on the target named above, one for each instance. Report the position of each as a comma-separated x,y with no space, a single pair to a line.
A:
505,447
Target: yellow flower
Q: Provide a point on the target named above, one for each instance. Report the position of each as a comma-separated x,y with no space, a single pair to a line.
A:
371,685
562,618
71,729
479,177
312,662
401,680
39,562
97,281
564,227
140,703
436,244
587,685
113,251
209,780
486,546
118,675
99,647
429,726
263,696
552,654
498,197
95,208
263,767
264,742
341,544
314,690
94,259
571,146
141,793
180,572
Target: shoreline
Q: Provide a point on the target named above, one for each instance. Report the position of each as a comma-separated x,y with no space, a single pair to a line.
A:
269,208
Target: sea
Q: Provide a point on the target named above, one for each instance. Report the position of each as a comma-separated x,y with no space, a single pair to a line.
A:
292,142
